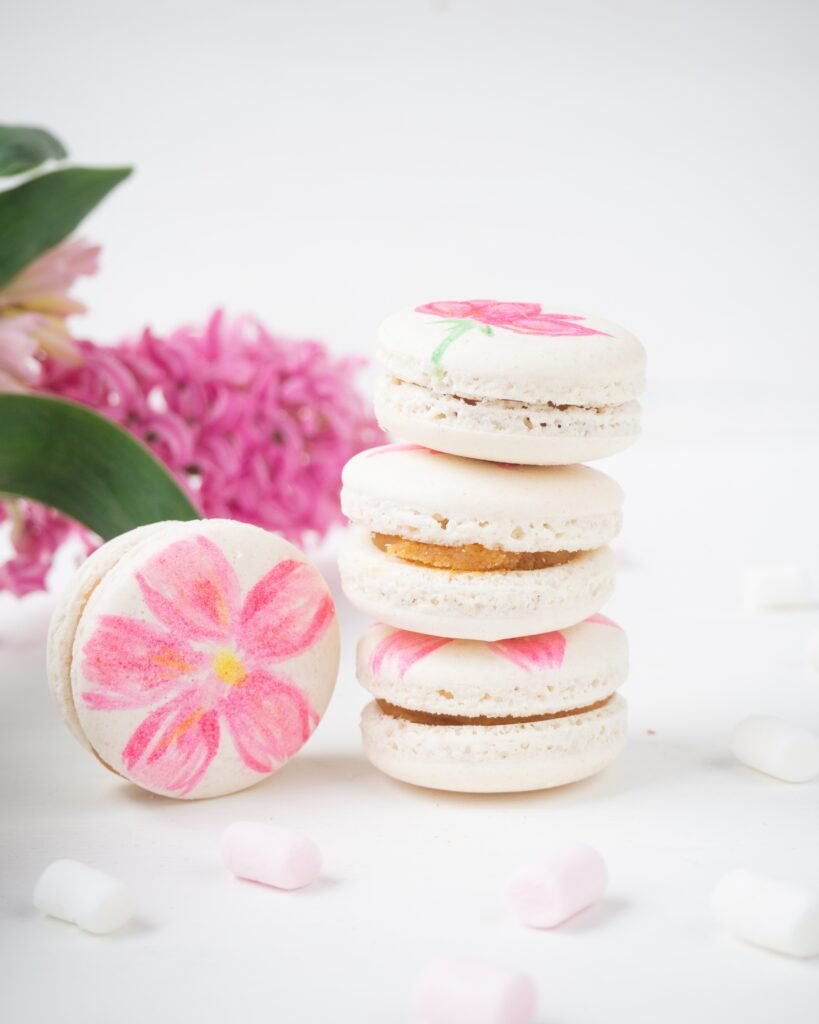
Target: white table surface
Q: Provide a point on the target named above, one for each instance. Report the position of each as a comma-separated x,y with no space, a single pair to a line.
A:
412,875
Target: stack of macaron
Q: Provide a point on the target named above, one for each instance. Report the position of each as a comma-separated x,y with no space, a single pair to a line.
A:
481,546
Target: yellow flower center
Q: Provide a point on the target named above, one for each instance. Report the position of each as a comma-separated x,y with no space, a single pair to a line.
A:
228,668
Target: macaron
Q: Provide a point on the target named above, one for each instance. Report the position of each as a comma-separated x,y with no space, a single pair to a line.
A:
476,550
511,715
194,659
510,381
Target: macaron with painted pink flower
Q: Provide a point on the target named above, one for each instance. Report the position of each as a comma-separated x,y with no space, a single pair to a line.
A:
511,715
476,550
194,659
510,381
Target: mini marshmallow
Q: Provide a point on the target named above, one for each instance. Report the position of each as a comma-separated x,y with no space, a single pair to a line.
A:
767,912
83,896
564,881
270,855
473,992
776,585
770,745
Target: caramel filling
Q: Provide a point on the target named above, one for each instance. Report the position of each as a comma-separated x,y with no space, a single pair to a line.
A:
468,557
426,718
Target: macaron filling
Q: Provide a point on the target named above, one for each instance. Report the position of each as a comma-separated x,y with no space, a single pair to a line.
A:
435,719
468,557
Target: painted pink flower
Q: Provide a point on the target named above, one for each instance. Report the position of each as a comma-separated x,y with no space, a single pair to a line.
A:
521,317
544,650
205,662
404,649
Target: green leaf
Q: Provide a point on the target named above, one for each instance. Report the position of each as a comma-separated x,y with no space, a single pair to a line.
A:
73,459
43,211
23,148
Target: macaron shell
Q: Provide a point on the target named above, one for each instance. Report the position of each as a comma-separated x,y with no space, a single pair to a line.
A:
536,435
70,606
495,758
473,605
189,681
537,675
427,496
605,366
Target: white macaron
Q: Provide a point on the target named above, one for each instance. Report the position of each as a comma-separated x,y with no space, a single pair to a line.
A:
510,381
461,548
519,714
194,658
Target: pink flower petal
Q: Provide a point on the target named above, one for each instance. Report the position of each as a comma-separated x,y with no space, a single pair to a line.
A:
269,719
285,613
555,325
172,748
192,589
502,313
544,650
453,310
132,664
403,649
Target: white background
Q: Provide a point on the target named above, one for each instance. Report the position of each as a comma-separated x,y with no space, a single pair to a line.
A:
321,164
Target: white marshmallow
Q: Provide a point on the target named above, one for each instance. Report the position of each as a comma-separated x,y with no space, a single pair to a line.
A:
768,913
270,855
83,896
776,585
777,748
564,881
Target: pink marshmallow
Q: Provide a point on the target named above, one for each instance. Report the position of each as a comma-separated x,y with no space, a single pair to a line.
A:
564,881
270,855
472,992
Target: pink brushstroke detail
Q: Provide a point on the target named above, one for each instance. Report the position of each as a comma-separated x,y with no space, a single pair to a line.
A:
402,650
282,615
269,720
604,620
542,651
170,669
520,317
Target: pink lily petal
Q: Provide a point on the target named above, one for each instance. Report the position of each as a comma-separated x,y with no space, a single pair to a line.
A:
132,664
172,748
192,589
285,613
403,649
269,719
544,650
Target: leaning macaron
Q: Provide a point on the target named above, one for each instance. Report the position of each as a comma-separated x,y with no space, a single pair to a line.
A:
195,658
510,381
460,548
526,713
